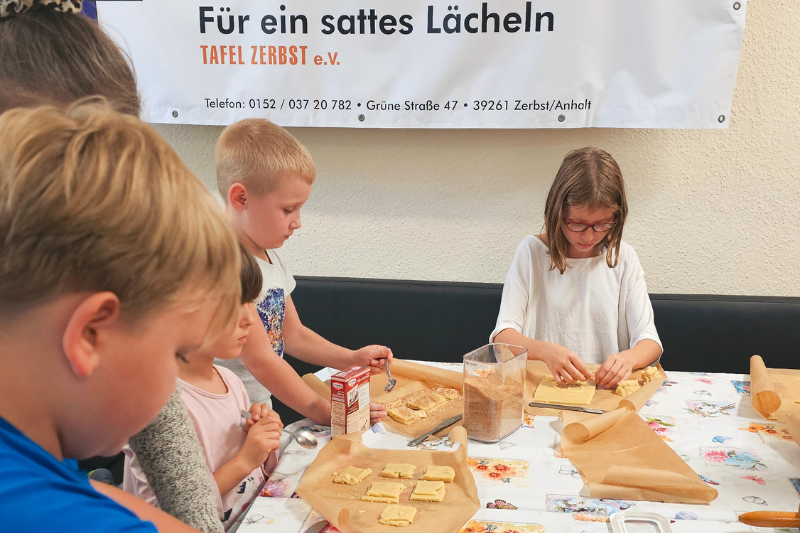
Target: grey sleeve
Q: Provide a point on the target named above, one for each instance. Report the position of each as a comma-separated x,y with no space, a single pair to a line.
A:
172,459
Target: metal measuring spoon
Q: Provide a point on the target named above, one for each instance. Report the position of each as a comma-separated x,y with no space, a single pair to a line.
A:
392,382
304,438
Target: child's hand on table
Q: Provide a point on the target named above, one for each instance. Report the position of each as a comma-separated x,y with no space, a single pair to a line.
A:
263,411
373,356
377,411
564,364
262,437
615,369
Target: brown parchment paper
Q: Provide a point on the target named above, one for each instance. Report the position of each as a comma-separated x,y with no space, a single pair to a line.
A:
793,426
762,391
603,399
411,377
341,505
620,457
774,392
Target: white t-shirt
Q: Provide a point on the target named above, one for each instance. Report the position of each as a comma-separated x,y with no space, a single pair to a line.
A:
591,309
216,419
271,306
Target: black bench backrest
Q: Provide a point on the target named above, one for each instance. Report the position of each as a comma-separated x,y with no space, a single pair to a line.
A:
441,321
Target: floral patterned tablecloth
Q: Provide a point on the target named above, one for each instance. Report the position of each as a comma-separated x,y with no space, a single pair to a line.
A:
527,486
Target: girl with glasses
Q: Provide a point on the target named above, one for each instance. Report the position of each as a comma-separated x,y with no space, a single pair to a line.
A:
576,293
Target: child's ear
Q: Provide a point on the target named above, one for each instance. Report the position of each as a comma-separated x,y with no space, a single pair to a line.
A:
88,322
237,196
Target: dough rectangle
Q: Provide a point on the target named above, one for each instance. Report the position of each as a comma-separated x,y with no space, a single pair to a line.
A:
426,401
352,475
580,393
404,415
398,515
439,473
384,491
398,470
428,491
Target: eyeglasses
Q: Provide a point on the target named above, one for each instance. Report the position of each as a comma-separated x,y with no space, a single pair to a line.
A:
600,227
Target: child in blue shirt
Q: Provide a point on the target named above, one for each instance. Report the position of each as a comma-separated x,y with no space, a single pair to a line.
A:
114,262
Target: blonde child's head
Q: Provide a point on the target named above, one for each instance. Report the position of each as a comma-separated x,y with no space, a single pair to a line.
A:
54,57
259,154
264,175
117,255
588,181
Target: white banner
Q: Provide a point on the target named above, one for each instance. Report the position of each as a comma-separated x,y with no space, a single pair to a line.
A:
434,64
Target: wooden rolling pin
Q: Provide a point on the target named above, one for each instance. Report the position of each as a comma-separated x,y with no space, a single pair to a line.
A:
770,519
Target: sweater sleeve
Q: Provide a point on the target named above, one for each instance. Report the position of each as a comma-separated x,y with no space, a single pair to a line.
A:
516,291
170,456
639,310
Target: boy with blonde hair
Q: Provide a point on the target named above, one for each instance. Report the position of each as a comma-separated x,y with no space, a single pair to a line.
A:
265,175
114,262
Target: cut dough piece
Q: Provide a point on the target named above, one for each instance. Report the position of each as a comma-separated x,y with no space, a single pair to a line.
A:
428,491
579,393
627,387
398,515
397,470
649,373
439,473
426,401
448,394
384,492
352,475
404,415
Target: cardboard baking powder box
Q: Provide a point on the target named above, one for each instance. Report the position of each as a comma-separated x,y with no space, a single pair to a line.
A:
350,401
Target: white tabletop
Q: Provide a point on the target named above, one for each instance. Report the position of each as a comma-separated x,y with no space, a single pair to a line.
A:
706,418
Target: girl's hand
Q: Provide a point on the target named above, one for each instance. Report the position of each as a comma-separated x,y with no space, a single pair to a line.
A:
262,437
377,411
615,369
373,356
263,411
564,364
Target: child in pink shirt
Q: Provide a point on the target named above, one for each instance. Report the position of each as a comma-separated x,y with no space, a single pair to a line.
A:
240,458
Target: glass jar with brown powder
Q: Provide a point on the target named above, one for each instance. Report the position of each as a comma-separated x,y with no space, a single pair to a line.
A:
494,390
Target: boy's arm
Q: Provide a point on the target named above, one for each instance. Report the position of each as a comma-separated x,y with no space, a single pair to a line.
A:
281,379
308,346
163,522
171,458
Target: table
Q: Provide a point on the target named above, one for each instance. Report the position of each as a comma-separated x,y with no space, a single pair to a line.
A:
707,419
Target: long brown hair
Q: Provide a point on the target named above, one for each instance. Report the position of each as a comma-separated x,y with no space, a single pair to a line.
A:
588,177
55,58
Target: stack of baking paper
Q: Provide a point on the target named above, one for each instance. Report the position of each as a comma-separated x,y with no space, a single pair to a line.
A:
620,457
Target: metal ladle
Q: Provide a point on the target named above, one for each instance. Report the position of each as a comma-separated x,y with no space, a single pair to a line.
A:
304,438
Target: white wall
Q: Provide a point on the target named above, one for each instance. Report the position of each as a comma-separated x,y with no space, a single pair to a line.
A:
710,211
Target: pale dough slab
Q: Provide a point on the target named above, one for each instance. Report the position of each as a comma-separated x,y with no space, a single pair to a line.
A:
428,491
426,401
449,394
398,470
627,387
649,373
384,492
352,475
580,393
439,473
398,515
404,415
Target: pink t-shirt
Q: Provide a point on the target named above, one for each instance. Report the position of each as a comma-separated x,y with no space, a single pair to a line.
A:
217,420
